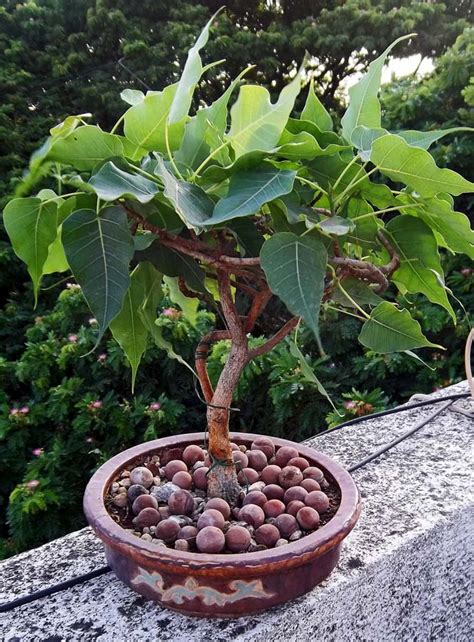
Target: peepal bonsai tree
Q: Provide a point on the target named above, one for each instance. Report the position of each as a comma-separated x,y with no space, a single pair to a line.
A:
236,206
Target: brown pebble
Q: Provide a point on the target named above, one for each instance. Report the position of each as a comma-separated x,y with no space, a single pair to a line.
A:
200,478
252,514
193,454
284,454
181,545
294,506
257,459
270,474
237,539
219,504
295,493
247,476
307,518
290,476
183,479
313,473
272,491
265,444
211,517
167,530
173,467
310,485
299,462
210,540
273,508
181,502
286,524
144,501
147,517
255,497
142,476
267,534
240,459
317,500
120,500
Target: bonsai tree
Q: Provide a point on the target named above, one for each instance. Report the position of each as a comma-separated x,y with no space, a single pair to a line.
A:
236,206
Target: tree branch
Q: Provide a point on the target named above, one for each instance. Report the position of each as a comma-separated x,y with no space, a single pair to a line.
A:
273,341
362,270
394,262
258,304
200,359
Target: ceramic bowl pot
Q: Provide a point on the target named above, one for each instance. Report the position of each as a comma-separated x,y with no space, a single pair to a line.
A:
221,585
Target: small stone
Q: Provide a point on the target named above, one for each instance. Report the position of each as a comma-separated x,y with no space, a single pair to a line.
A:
284,454
173,467
120,500
147,517
255,497
192,454
146,530
265,444
158,542
294,506
257,459
247,476
296,535
135,491
281,542
167,530
183,480
259,485
125,483
164,492
147,537
124,474
307,518
240,459
295,493
252,514
211,517
144,501
181,545
267,534
114,489
317,500
152,529
157,481
290,476
299,462
272,491
270,474
142,476
198,464
181,502
310,485
221,505
314,473
237,539
210,540
286,524
200,478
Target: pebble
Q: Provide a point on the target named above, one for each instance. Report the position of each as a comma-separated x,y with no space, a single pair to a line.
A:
147,537
120,500
141,476
163,493
135,491
181,545
257,486
281,542
296,535
124,473
114,489
125,483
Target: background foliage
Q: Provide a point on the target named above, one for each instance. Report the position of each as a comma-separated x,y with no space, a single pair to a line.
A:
62,415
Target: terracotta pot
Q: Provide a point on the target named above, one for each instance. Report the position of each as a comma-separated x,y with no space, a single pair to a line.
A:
224,585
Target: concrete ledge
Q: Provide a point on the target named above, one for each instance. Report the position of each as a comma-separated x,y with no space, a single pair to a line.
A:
405,573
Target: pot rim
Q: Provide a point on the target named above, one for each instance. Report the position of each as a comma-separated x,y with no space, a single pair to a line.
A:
307,547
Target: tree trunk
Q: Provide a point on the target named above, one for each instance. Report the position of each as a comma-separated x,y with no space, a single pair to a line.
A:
222,477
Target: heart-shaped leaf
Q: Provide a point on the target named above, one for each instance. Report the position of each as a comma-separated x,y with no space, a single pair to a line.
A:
295,268
392,330
111,183
249,190
415,167
99,250
85,147
32,226
315,112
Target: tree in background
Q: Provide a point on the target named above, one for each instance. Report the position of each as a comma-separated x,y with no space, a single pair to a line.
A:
66,56
441,100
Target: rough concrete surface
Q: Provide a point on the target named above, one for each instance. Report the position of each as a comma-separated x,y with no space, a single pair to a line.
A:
405,573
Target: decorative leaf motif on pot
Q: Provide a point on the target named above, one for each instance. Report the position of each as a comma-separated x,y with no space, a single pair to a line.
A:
191,589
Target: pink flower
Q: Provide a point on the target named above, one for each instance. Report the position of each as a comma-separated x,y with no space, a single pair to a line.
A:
14,411
102,357
154,406
37,451
24,410
72,338
350,405
172,313
31,485
89,440
96,404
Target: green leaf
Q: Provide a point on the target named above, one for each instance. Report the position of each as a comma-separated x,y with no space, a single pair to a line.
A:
256,123
111,183
415,167
31,225
336,225
363,138
172,263
145,123
453,227
192,72
132,96
365,226
304,145
191,202
188,305
99,250
85,147
160,212
358,290
295,268
56,261
128,328
308,372
364,106
250,240
315,112
153,295
249,190
195,148
392,330
420,267
68,125
426,139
